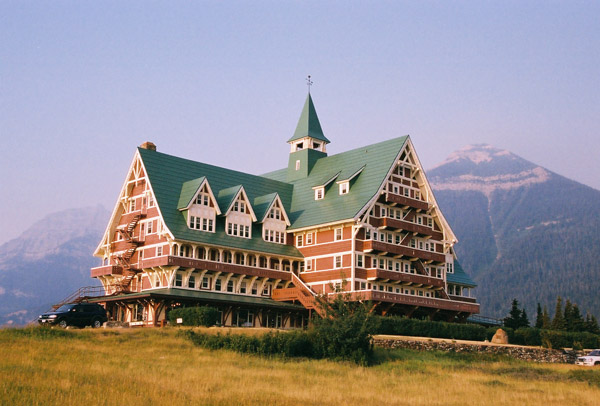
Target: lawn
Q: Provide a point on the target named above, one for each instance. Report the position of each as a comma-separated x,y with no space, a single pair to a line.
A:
161,367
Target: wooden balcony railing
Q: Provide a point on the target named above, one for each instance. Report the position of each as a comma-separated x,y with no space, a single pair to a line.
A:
406,278
106,271
406,201
378,246
215,266
395,224
419,301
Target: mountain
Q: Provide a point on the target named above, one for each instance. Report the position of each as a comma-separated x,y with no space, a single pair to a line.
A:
524,232
49,261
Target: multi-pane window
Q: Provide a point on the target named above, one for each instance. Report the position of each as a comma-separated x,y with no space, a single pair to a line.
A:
359,260
205,283
178,279
218,284
338,234
337,261
192,282
449,268
299,240
274,236
132,205
308,264
309,238
344,188
238,230
243,287
149,227
203,199
203,224
239,206
319,193
275,213
158,251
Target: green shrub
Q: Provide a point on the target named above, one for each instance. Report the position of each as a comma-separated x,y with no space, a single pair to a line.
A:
562,339
195,316
428,328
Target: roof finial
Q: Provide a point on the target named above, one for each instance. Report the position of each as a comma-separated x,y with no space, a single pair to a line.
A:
309,83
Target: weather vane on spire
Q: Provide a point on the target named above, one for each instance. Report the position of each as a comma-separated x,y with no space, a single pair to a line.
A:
309,83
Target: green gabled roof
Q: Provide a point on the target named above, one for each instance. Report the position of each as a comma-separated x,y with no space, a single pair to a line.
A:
459,276
261,204
225,197
188,191
377,159
167,174
309,125
350,173
326,180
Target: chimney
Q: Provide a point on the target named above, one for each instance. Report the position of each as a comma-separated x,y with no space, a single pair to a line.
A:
148,145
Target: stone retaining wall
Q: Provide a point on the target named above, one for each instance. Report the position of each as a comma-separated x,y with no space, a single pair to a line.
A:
536,354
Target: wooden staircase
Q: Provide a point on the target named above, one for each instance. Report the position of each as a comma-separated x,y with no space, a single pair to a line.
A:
81,295
300,292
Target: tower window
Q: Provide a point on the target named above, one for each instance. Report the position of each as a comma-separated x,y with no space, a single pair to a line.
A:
298,165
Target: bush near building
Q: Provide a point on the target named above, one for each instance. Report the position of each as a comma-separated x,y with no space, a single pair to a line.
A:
194,316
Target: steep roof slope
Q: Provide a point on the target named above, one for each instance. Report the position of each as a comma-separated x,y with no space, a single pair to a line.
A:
167,174
377,160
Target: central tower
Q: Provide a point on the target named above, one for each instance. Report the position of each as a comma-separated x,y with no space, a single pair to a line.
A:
308,143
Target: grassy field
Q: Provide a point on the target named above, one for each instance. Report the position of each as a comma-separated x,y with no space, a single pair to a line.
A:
161,367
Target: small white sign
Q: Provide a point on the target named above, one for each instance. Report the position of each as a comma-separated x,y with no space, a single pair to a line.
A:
179,320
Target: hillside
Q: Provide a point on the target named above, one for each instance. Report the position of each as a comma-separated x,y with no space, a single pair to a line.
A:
48,262
524,232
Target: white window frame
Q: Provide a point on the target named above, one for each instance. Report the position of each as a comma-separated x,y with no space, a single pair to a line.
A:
337,262
339,237
344,188
319,193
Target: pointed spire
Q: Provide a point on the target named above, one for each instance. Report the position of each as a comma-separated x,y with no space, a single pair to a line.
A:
309,125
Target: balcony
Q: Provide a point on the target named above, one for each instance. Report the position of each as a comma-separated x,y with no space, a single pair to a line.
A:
400,250
405,278
406,201
418,301
107,270
216,267
395,224
463,298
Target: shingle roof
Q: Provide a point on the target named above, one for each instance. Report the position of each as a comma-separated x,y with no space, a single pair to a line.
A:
377,160
309,125
188,191
459,276
167,174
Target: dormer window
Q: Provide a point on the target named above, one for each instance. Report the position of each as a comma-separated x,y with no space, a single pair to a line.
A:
275,213
203,199
239,206
319,193
344,188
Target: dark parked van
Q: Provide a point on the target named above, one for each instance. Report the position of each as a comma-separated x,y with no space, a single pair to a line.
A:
75,314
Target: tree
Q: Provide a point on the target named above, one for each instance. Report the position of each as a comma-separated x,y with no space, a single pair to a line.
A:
591,324
558,322
539,317
578,324
516,317
523,320
546,322
569,317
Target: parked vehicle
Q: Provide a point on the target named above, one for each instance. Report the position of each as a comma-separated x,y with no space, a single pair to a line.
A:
75,314
592,359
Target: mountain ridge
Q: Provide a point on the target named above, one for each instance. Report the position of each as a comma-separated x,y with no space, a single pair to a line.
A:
520,227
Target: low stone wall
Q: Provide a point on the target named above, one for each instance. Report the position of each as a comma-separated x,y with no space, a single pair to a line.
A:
536,354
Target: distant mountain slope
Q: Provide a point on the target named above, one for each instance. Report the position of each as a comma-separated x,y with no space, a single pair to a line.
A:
524,232
48,262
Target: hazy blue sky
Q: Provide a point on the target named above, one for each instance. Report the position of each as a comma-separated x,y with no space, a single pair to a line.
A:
82,83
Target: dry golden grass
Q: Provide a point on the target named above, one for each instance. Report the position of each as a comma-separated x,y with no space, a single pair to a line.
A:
160,367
